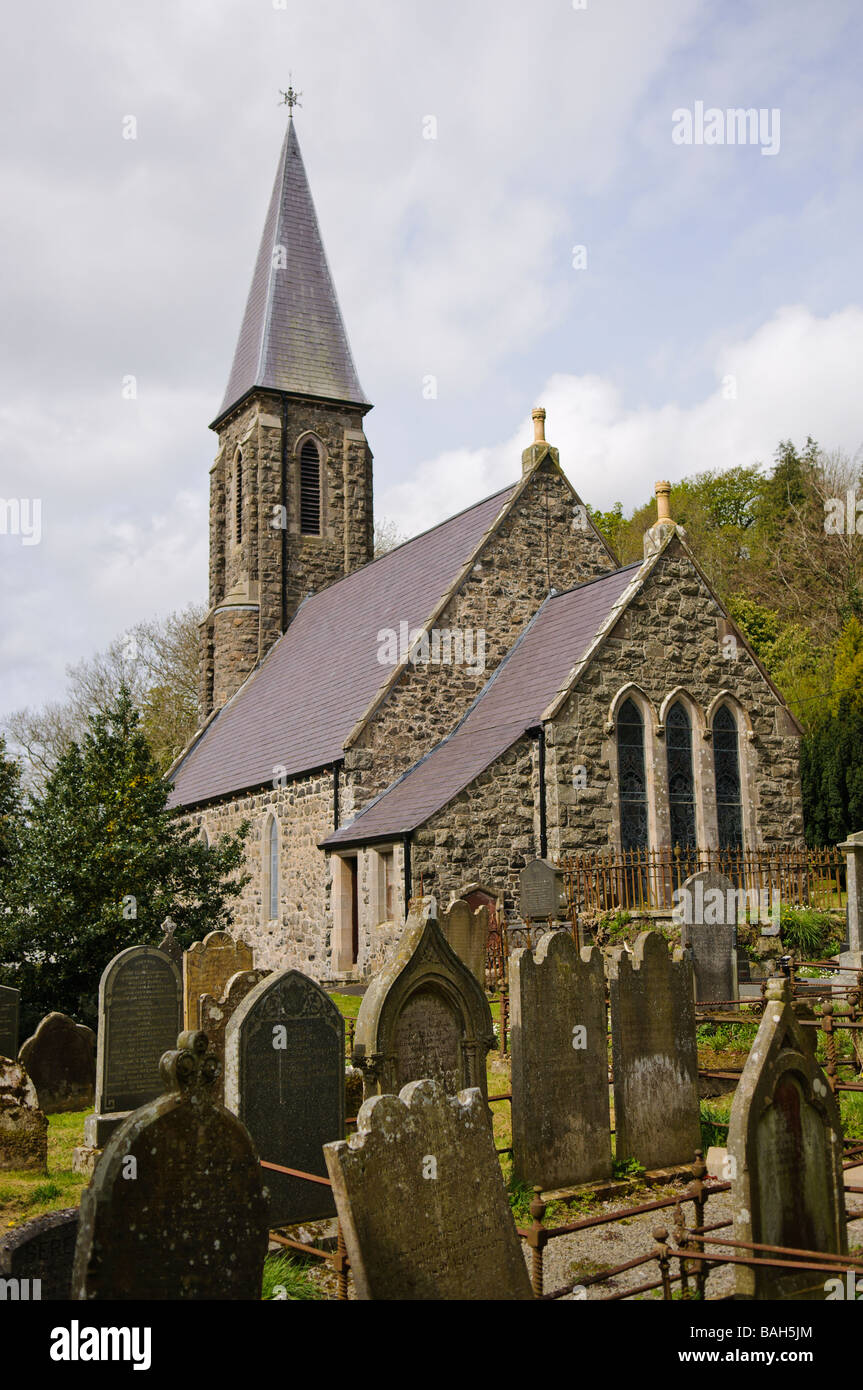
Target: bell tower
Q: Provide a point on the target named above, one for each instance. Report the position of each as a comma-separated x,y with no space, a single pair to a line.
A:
291,507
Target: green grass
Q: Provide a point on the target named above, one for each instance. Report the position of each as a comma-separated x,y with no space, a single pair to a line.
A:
289,1280
851,1109
348,1005
714,1125
24,1195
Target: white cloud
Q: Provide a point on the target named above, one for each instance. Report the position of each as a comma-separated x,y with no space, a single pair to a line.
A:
796,375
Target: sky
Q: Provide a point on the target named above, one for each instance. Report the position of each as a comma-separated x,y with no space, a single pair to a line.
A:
512,218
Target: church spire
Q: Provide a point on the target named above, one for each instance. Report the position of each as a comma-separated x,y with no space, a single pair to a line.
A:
292,338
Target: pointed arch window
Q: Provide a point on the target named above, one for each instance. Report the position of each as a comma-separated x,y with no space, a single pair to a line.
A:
310,489
726,765
271,852
238,499
632,779
681,777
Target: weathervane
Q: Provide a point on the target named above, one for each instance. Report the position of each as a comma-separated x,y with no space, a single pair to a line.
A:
290,98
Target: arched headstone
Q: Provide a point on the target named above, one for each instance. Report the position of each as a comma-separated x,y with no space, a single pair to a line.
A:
785,1154
425,1014
285,1078
207,967
60,1058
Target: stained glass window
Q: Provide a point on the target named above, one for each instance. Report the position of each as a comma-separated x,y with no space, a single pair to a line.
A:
681,779
726,763
632,781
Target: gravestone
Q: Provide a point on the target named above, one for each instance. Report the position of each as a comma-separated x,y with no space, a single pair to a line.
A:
207,967
10,1000
851,956
707,911
424,1014
285,1079
177,1207
421,1200
785,1153
654,1054
60,1059
23,1127
140,1015
561,1124
466,930
169,945
42,1251
214,1014
541,891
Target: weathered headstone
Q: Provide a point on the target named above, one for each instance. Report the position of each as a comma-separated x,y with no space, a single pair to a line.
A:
654,1054
9,1005
214,1014
561,1123
285,1078
541,891
785,1153
207,967
177,1207
422,1203
851,957
23,1127
140,1015
424,1014
466,930
60,1059
706,907
42,1252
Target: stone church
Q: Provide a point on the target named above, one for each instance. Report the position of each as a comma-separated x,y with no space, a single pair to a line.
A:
496,689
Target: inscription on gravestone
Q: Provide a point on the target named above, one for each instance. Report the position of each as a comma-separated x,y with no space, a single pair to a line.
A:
424,1014
285,1079
207,967
422,1203
139,1019
541,892
190,1222
9,1004
428,1039
43,1250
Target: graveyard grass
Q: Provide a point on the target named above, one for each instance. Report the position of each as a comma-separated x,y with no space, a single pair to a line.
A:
24,1195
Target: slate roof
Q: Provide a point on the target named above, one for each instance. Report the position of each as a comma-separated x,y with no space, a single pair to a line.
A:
292,337
513,701
298,707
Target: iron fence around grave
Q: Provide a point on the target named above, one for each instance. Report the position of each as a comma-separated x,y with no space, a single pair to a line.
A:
645,880
688,1245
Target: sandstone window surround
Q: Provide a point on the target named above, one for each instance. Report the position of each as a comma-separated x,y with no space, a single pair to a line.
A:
385,883
270,846
663,761
345,902
310,485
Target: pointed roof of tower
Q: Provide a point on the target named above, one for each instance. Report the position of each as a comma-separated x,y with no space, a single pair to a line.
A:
293,338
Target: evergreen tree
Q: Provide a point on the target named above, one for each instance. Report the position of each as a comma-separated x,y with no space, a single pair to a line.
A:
103,863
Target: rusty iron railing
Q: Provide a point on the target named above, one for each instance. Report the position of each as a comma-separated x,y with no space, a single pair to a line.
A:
645,880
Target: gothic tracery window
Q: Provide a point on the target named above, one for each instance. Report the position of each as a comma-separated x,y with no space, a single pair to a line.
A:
726,764
631,777
681,777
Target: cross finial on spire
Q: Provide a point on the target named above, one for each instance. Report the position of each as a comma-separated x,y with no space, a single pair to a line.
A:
290,98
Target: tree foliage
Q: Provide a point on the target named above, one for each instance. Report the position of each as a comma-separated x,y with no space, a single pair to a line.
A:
102,863
795,589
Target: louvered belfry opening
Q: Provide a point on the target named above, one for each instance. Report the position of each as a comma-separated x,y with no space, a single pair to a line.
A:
310,489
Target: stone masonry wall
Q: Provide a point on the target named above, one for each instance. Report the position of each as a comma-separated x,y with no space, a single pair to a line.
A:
254,565
500,596
669,637
672,636
301,938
